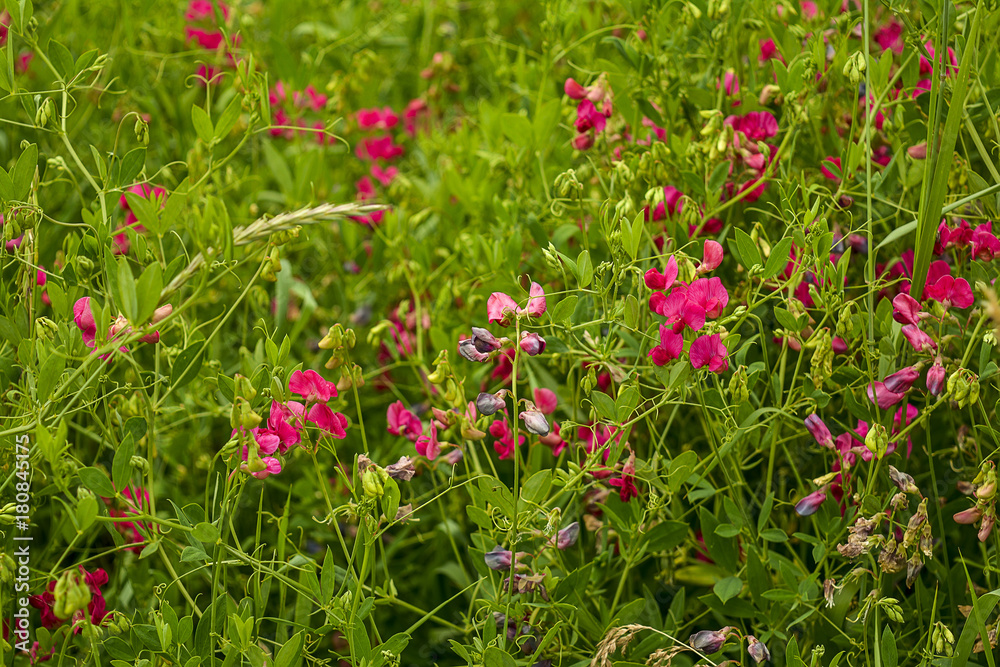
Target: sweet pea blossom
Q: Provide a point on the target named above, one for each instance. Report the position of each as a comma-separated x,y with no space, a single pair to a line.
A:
917,338
504,444
901,381
950,291
428,445
670,347
662,281
819,430
531,343
906,309
626,482
705,299
810,504
545,400
711,257
535,422
936,378
536,301
311,386
489,404
501,309
709,351
878,393
329,422
403,422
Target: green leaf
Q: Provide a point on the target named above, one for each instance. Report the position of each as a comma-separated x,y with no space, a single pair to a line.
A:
97,481
749,253
49,374
605,405
187,365
229,117
128,300
23,172
130,167
765,512
562,310
774,535
278,167
86,512
938,174
149,286
890,657
494,657
121,469
666,535
680,469
62,59
202,124
728,588
205,532
537,487
584,268
778,259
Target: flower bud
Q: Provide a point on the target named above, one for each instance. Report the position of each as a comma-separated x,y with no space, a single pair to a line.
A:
935,379
810,504
901,381
531,343
708,641
372,484
141,131
71,595
468,350
877,440
969,516
738,386
535,422
489,404
757,650
498,558
485,341
986,527
567,537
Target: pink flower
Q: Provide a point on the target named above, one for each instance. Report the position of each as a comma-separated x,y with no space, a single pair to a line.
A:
553,440
885,398
705,299
536,301
84,318
906,309
826,172
531,343
950,292
199,10
626,482
810,504
382,119
403,422
278,423
574,90
890,36
670,347
378,148
582,142
504,443
545,400
384,176
969,516
710,351
901,381
935,379
819,431
917,338
501,309
768,50
927,68
663,281
311,386
918,151
429,446
331,423
589,118
755,125
985,245
711,257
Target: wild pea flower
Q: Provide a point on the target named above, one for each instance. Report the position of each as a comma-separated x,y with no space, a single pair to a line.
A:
96,608
662,281
950,291
709,641
712,256
467,348
489,404
626,482
985,245
906,309
755,125
595,437
379,119
311,386
535,422
709,351
136,502
878,392
936,377
278,423
918,339
384,176
329,422
378,148
428,445
546,400
568,536
819,431
504,444
554,440
810,503
501,309
926,67
901,381
403,422
757,650
499,558
531,343
670,347
705,299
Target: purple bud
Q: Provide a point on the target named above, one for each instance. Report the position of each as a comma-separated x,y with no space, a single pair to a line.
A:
499,558
810,504
969,516
707,641
532,343
935,379
488,404
484,341
567,537
900,381
468,350
757,650
819,431
454,457
535,422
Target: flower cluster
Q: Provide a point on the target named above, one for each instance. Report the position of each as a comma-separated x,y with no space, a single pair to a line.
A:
75,596
83,315
590,120
291,118
689,306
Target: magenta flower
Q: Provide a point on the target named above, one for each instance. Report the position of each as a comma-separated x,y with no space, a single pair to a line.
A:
709,351
504,443
545,400
403,422
756,125
379,119
554,440
329,422
705,299
935,379
985,245
901,381
711,257
918,339
568,536
626,482
574,90
531,343
662,281
536,301
969,516
670,347
429,446
877,392
906,309
589,118
501,309
951,291
810,504
819,431
311,386
84,318
278,423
